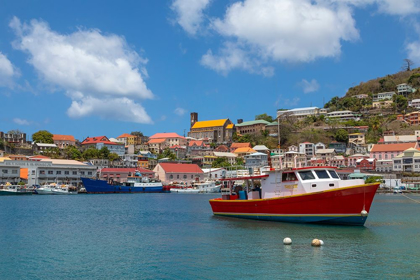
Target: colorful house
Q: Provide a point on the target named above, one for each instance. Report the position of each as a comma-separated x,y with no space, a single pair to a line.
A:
178,172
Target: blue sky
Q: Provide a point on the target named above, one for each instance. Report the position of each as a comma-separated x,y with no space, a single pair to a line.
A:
90,68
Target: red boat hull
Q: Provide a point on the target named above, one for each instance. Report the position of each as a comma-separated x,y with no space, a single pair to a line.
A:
338,206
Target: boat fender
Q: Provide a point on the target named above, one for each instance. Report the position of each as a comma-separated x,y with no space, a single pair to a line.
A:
364,213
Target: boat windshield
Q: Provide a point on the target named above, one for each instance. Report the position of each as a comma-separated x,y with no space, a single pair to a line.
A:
289,176
322,174
333,174
306,175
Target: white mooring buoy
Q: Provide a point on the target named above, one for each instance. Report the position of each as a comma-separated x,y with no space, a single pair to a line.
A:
321,242
287,241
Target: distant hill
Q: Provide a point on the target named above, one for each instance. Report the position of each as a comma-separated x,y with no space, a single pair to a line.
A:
387,83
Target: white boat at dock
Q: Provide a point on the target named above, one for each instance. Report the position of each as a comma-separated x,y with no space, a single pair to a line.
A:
199,187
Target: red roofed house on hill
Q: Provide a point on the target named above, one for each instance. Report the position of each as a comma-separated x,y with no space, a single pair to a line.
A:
63,141
103,141
178,172
234,146
160,141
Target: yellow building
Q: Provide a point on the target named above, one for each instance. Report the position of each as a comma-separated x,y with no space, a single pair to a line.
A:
127,139
219,131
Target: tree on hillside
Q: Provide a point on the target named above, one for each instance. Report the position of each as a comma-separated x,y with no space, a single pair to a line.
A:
264,117
104,152
43,136
90,153
167,153
400,102
407,63
137,133
71,152
220,162
341,135
414,80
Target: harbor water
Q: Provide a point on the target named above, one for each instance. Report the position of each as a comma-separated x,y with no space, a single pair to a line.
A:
175,236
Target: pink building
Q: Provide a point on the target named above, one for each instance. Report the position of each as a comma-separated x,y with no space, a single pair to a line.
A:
389,151
178,172
351,160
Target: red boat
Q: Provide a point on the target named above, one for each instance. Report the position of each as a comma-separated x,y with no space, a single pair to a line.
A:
300,195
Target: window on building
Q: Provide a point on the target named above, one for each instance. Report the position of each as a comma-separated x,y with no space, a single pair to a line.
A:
5,171
42,172
177,176
192,176
90,173
74,172
171,176
50,172
66,172
14,171
58,172
185,176
33,172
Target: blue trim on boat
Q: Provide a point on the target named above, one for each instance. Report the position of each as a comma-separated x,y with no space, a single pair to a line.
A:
101,186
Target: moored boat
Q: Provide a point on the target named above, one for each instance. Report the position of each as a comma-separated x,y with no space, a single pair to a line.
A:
10,189
199,187
64,189
134,184
300,195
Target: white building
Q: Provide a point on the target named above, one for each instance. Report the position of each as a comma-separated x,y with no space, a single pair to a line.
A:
383,96
308,149
415,103
342,115
9,173
48,171
256,160
407,161
302,112
405,89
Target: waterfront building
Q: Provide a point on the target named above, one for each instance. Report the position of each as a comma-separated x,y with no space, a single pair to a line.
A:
177,172
405,89
120,175
47,171
99,163
390,151
251,127
63,141
383,96
302,113
214,173
13,138
218,131
9,173
103,141
308,149
407,161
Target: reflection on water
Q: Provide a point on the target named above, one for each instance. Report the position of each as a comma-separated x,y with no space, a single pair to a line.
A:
168,236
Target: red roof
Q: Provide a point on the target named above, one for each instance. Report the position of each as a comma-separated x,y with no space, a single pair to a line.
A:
399,147
166,135
38,156
94,140
126,170
240,145
196,143
176,147
154,141
58,137
180,168
125,135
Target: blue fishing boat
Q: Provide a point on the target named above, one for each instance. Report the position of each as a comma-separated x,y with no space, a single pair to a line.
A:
134,184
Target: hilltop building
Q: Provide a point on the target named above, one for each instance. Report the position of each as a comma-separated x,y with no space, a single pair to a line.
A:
301,113
251,127
102,141
405,89
19,138
218,131
63,141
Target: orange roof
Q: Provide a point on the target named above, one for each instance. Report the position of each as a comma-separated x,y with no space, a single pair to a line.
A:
212,123
154,141
399,147
197,143
243,150
166,135
229,126
59,137
125,135
24,173
240,145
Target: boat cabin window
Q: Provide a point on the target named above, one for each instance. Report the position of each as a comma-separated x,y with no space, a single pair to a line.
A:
333,174
289,176
322,174
306,175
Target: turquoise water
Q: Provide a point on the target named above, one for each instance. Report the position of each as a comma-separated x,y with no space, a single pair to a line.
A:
175,236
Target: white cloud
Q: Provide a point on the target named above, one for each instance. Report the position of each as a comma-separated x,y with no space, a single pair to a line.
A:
21,121
280,31
291,102
94,69
7,71
413,48
190,14
391,7
180,111
308,87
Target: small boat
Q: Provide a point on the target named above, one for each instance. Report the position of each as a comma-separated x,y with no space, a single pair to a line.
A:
64,189
199,187
10,189
134,184
299,195
45,189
